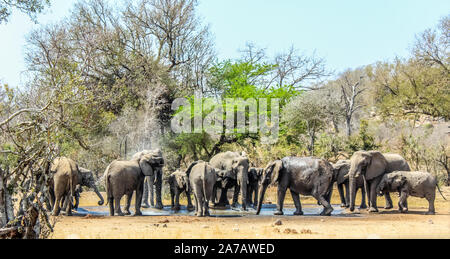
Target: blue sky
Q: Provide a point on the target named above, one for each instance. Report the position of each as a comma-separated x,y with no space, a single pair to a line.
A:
347,33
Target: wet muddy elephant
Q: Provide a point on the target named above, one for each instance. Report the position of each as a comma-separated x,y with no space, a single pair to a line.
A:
179,183
416,184
341,170
305,176
236,165
65,184
202,179
372,166
125,177
152,184
254,176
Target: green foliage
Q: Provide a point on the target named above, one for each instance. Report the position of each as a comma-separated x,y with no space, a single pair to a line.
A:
363,140
29,7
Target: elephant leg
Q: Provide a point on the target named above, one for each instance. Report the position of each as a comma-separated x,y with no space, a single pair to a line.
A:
196,204
223,200
151,189
118,211
431,209
128,203
298,204
363,199
347,194
145,194
139,194
56,207
388,199
280,200
237,189
401,202
328,209
199,203
373,195
158,188
177,199
69,205
111,206
172,197
342,195
255,203
77,200
190,207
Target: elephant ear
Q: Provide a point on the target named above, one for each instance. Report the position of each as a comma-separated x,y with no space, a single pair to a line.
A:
54,165
276,169
181,181
398,182
146,168
376,167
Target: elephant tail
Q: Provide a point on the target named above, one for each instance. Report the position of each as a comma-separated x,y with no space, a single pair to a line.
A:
107,187
439,189
204,181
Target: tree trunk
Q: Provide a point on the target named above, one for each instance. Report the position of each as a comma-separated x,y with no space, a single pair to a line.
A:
6,205
3,211
349,126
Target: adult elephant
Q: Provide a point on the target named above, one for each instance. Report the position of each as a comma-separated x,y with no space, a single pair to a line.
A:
152,182
306,176
235,165
372,166
85,179
125,177
65,183
341,170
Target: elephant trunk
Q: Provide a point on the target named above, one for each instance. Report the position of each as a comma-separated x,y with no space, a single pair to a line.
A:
102,201
352,183
261,192
244,195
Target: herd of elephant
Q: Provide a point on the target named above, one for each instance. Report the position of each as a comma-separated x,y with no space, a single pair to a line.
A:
376,174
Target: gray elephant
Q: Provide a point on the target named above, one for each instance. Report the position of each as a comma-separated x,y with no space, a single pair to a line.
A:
179,183
341,170
416,184
85,179
237,165
254,176
125,177
152,183
306,176
372,166
202,179
65,184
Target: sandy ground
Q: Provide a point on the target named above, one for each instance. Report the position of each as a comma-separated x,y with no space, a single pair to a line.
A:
386,224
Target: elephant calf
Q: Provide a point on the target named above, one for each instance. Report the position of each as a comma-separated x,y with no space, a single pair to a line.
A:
202,178
178,183
407,183
254,176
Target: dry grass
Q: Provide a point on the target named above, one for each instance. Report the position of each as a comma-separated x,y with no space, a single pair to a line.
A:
387,224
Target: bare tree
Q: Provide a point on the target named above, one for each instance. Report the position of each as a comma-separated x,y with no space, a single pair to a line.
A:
352,86
432,46
296,69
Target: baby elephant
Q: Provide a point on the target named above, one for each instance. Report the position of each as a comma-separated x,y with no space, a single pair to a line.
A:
178,183
202,178
416,184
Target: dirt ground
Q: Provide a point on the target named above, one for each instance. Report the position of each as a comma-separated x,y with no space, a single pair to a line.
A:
386,224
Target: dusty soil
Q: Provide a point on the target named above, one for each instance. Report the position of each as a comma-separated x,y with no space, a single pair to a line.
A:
386,224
